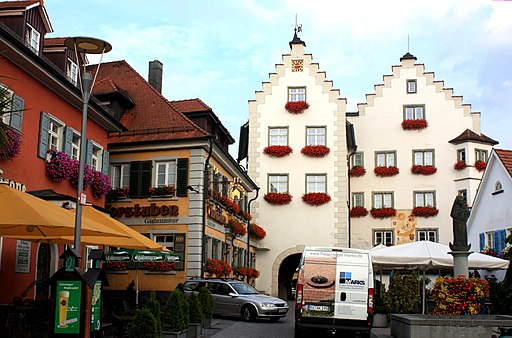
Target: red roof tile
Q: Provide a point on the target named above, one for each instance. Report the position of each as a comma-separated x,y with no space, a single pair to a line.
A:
506,158
190,105
469,135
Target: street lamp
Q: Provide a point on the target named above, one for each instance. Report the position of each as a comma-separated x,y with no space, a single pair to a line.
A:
84,45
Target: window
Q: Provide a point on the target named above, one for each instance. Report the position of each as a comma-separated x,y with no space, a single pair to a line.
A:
120,174
315,136
165,173
489,239
89,262
32,38
140,178
480,155
464,194
96,161
75,146
6,96
358,199
382,200
424,199
461,155
216,248
278,183
414,112
72,72
55,131
411,86
423,157
278,136
383,237
316,183
296,94
427,235
385,159
176,243
358,160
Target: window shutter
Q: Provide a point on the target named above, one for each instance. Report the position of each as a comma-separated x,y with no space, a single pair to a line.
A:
182,177
482,241
140,178
43,135
68,140
16,112
88,156
500,244
179,248
134,179
106,162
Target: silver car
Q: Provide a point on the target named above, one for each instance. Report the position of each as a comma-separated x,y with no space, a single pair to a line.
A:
236,298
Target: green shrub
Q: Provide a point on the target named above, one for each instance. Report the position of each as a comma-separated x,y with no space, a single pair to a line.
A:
153,306
500,295
175,316
195,312
206,300
143,325
403,295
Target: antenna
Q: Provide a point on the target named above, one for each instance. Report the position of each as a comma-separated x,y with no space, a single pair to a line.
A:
407,43
298,28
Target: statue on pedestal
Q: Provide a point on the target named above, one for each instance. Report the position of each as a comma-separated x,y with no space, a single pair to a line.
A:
460,215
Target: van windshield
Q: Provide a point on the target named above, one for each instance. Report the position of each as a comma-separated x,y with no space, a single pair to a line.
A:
244,289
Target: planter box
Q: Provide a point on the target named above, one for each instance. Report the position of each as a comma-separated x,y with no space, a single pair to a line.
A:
380,320
416,326
194,330
168,334
207,322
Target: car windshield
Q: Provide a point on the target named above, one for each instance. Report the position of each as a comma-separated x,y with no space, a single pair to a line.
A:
244,289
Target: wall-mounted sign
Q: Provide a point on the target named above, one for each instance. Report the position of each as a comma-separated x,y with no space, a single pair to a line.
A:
160,220
23,249
96,307
13,184
67,308
145,211
216,214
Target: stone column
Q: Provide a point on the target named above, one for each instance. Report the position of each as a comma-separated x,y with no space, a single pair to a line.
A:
460,247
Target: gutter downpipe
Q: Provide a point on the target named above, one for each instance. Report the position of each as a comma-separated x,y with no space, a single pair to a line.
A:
205,192
248,254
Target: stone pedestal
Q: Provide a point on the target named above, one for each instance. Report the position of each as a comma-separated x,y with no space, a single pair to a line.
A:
460,262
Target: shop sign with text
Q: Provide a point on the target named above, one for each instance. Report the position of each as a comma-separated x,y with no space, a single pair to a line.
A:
67,307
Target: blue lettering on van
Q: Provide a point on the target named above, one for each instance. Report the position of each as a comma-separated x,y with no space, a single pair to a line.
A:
346,278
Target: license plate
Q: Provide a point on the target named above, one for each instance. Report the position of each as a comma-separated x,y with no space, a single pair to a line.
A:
318,308
282,310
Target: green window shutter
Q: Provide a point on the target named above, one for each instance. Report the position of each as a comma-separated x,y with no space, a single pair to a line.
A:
140,178
106,162
88,156
134,179
44,124
180,244
16,112
182,177
68,140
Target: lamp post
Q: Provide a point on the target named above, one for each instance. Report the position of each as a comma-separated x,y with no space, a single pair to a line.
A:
84,45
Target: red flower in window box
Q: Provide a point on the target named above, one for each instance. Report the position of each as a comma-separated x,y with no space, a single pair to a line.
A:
386,171
427,211
480,165
166,190
315,151
383,212
114,266
257,231
243,271
277,151
160,266
358,212
237,228
414,124
218,267
357,171
296,107
460,165
230,205
423,169
316,198
278,198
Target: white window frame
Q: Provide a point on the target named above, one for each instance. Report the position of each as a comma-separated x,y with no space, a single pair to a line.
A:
97,156
6,117
55,134
411,86
414,112
278,183
170,167
296,94
481,155
386,237
278,136
489,239
316,183
358,199
461,155
72,71
358,160
424,198
427,235
423,157
33,38
383,199
315,136
120,175
385,159
75,146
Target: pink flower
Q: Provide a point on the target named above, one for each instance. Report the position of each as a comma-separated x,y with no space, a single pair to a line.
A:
100,184
12,146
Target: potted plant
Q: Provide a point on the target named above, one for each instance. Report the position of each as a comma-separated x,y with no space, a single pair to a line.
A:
143,325
383,212
414,124
381,311
386,171
277,151
426,211
315,150
358,212
357,171
459,165
403,295
316,198
423,170
153,306
175,316
195,316
257,232
277,198
480,165
296,107
166,190
207,306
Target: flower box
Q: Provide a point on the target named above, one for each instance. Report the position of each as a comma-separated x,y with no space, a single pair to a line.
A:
88,174
277,151
114,266
315,151
480,165
160,266
100,184
459,165
12,146
489,251
296,107
358,212
166,190
278,198
414,124
386,171
230,206
427,211
117,194
246,272
423,170
236,228
357,171
316,198
256,231
59,167
383,212
218,267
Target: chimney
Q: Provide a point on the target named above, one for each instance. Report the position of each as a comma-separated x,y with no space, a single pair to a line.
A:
156,69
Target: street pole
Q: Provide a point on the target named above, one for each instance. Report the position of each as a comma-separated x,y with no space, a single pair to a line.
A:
248,257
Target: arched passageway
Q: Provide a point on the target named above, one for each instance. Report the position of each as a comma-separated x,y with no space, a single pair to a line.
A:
286,270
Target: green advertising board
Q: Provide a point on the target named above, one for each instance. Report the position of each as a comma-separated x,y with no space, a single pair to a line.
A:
96,307
67,308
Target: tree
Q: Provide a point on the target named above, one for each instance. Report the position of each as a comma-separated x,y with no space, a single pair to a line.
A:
153,306
175,316
206,300
195,312
143,325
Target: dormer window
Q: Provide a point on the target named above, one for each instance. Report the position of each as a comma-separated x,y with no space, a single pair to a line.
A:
32,39
72,72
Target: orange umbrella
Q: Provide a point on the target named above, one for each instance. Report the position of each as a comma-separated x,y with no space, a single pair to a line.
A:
23,216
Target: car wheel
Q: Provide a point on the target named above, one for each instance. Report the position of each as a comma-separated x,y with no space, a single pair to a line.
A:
249,313
274,319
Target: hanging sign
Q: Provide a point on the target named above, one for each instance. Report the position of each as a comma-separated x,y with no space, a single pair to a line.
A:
67,308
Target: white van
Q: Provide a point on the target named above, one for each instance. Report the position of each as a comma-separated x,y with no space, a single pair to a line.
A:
334,291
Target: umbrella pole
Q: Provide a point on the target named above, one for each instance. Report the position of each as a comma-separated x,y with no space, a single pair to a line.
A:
137,287
423,283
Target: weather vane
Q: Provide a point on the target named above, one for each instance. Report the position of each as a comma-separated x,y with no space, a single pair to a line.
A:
298,28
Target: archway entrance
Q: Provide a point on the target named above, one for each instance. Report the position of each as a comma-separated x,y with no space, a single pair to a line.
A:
286,270
43,271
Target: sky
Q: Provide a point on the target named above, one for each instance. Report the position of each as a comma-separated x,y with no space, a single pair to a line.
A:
221,51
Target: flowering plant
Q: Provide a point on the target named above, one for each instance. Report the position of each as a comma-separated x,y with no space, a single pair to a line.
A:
257,231
459,296
218,267
118,193
386,171
165,190
114,266
296,107
59,167
480,165
357,171
358,212
315,150
12,146
489,251
423,169
425,211
459,165
160,266
277,198
237,228
245,215
316,198
227,203
383,212
277,151
414,124
245,271
88,174
507,252
100,184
